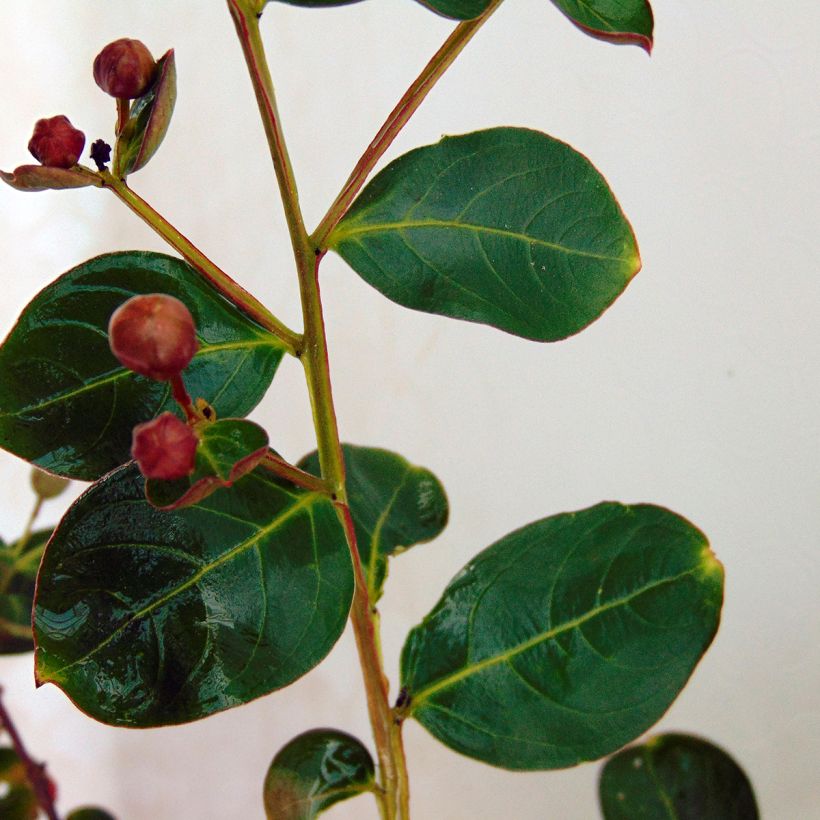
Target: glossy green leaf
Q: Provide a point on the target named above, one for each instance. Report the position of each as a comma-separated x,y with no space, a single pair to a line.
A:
17,798
457,9
675,776
148,120
227,450
18,571
617,21
565,639
90,813
394,505
145,617
68,405
507,227
314,771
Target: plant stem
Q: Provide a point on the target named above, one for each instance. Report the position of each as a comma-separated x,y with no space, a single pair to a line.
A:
405,108
35,772
291,473
230,289
314,359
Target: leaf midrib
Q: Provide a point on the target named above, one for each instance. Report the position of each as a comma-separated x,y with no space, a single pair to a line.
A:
502,657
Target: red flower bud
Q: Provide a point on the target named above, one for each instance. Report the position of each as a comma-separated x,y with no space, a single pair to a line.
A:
56,143
125,69
164,447
153,335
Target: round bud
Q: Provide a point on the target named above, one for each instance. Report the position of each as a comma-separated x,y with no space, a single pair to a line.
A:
47,485
125,69
153,335
56,143
164,447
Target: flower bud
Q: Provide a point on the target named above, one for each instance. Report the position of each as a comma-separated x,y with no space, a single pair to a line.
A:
164,448
47,485
153,335
125,69
56,143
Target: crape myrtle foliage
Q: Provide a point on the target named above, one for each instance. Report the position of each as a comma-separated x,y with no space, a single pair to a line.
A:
201,570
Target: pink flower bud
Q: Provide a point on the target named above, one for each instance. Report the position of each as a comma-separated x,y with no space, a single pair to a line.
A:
56,143
164,447
153,335
125,69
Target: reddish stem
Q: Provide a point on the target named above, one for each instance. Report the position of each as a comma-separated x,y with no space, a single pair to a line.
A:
182,398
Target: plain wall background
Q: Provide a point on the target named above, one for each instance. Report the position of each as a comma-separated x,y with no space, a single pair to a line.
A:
697,390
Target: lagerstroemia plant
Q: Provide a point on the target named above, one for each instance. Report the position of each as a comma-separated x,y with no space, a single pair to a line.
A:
201,570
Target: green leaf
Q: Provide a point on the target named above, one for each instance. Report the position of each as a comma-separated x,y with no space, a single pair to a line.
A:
147,618
67,404
90,813
18,571
148,120
565,639
675,776
395,505
457,9
507,227
319,4
617,21
314,771
227,450
17,799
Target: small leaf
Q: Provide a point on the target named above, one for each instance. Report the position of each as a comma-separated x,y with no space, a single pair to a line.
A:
395,505
18,571
457,9
90,813
67,404
17,799
676,776
227,450
567,638
148,618
42,178
507,227
314,771
319,4
148,120
617,21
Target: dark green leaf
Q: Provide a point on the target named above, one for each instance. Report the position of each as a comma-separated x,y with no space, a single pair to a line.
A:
18,571
90,813
507,227
457,9
17,798
147,618
68,405
675,776
567,638
394,504
148,120
227,450
314,771
618,21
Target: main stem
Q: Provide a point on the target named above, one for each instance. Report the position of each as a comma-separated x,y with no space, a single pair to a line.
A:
313,354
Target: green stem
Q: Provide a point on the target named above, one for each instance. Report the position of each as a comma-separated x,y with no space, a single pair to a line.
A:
232,290
283,469
405,108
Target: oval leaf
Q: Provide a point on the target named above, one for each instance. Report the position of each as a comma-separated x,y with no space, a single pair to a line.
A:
567,638
227,450
148,120
319,4
42,178
395,505
617,21
17,799
18,571
457,9
507,227
90,813
676,776
314,771
148,618
67,404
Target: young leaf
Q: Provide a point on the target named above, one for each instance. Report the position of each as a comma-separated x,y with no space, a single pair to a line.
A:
148,120
41,178
319,4
227,450
90,813
18,570
146,618
618,21
395,505
314,771
507,227
17,799
567,638
675,776
67,404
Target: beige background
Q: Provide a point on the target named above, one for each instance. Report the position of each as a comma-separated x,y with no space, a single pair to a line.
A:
697,390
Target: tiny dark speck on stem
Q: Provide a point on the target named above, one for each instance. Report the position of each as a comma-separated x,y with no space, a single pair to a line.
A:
100,153
403,698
